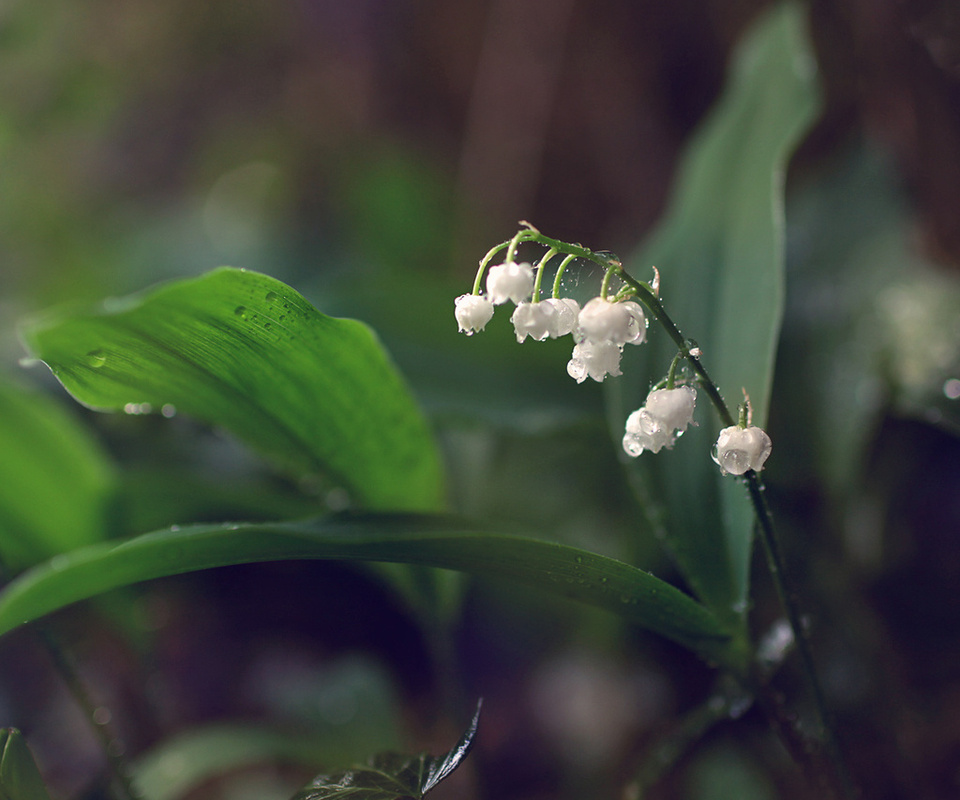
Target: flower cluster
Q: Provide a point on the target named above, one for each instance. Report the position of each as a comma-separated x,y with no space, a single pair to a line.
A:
600,331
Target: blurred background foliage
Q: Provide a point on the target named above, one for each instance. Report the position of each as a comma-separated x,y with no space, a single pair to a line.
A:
368,153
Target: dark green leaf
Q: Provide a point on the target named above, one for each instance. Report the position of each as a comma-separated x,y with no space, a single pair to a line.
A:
430,541
720,252
19,777
247,353
55,483
391,776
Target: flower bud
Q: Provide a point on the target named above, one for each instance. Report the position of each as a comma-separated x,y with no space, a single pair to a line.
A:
740,449
509,281
473,312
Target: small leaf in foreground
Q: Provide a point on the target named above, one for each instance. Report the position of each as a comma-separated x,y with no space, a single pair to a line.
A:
392,776
19,777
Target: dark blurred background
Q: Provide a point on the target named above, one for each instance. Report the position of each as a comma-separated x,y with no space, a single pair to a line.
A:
347,147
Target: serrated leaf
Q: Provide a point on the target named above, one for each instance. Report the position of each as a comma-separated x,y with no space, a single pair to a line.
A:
433,541
720,252
391,776
247,353
55,482
19,777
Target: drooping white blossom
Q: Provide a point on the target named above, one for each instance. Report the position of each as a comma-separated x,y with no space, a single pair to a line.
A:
510,281
673,407
604,321
565,320
657,424
741,449
473,312
535,320
594,360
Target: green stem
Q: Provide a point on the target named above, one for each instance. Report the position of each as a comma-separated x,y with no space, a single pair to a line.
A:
775,564
559,276
539,279
672,372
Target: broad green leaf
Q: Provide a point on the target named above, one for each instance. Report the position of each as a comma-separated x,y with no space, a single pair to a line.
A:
720,252
245,352
391,776
19,777
55,482
433,541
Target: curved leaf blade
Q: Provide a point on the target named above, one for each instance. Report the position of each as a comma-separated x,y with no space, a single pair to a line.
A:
245,352
433,541
720,252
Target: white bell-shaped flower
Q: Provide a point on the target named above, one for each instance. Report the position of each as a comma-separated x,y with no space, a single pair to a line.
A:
565,320
673,407
535,320
603,321
665,416
740,449
509,281
473,312
606,321
595,360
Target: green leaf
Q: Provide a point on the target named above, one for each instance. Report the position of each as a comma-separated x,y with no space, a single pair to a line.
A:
19,777
245,352
55,482
720,252
433,541
391,776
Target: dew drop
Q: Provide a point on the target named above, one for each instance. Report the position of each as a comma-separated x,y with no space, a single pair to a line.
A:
241,311
271,297
96,358
168,410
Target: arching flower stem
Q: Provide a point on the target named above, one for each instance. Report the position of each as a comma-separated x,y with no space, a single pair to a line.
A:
558,278
539,279
648,296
